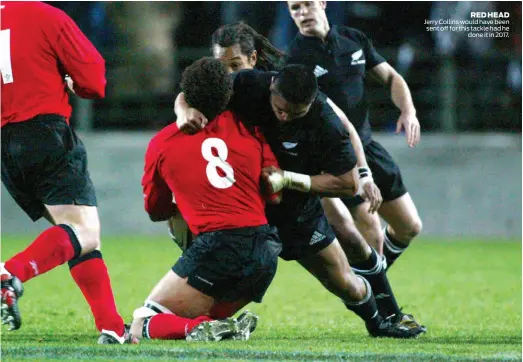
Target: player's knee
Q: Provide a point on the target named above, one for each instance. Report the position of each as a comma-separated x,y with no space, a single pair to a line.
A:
142,315
408,230
89,238
139,317
371,228
414,228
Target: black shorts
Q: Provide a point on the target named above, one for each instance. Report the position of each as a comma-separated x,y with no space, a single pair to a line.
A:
304,237
385,172
233,264
45,163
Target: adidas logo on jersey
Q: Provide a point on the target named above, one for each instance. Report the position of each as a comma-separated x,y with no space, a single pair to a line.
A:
316,238
319,71
357,58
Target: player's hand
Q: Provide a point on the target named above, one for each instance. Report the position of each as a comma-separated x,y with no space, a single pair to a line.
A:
409,122
192,121
70,83
372,194
179,232
273,178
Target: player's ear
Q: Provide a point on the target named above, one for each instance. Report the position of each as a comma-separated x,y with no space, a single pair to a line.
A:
271,88
253,59
323,5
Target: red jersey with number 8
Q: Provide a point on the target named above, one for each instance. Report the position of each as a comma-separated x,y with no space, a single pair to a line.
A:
39,45
214,175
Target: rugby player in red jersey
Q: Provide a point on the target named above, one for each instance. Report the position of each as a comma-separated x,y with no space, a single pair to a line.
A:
215,176
44,163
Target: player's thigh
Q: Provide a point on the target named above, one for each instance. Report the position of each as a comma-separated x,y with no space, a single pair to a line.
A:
231,265
67,181
17,167
305,237
401,214
385,171
331,267
327,261
174,293
222,310
336,212
47,165
351,240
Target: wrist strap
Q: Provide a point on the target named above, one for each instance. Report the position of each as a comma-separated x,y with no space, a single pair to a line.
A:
290,180
365,176
297,181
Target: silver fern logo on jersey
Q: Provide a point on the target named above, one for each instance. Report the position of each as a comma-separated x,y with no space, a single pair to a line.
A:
357,58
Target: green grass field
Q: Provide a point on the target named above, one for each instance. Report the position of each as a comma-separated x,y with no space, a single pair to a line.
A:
468,294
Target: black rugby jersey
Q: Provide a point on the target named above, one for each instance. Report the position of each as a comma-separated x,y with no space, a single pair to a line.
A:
340,65
315,143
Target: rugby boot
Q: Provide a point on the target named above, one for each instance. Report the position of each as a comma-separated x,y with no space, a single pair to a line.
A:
229,328
409,321
389,328
12,290
246,323
110,337
213,331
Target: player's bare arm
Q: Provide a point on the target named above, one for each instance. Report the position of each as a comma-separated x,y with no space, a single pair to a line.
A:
367,188
326,184
401,97
189,120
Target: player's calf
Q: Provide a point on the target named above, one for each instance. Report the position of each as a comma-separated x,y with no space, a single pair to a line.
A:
373,270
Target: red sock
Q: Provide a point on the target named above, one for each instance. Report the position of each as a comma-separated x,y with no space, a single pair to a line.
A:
171,326
50,249
90,274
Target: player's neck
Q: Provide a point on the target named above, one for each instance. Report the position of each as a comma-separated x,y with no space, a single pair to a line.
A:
321,33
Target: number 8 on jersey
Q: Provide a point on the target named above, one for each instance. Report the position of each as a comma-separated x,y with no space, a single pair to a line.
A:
219,161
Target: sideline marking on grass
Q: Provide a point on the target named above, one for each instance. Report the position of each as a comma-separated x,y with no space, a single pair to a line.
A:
134,352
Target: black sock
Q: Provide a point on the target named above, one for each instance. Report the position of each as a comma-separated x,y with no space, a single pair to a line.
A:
377,278
392,248
366,309
93,254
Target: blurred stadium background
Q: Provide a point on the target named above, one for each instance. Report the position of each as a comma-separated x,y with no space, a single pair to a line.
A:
465,176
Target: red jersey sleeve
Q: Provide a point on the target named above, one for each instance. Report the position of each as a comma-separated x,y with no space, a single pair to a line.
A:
268,156
268,159
158,198
80,59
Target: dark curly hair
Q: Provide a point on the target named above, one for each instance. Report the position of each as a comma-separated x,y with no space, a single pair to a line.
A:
297,84
269,57
207,86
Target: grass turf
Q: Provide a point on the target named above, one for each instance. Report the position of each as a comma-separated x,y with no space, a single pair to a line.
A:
468,294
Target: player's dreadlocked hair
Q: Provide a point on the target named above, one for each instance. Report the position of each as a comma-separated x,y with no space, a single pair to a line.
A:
269,58
296,83
207,86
